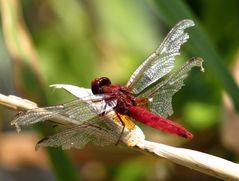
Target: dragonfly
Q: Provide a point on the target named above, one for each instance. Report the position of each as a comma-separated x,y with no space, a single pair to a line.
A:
97,112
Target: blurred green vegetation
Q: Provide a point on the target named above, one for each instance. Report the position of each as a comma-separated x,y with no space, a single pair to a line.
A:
75,41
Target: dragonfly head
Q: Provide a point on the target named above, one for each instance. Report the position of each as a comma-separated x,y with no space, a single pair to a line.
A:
98,83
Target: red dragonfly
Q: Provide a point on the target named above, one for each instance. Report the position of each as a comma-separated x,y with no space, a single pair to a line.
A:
146,98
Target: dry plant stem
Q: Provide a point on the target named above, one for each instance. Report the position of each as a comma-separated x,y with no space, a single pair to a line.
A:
16,103
199,161
202,162
19,104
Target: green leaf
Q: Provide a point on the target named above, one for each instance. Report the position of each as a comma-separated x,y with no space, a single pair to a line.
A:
28,76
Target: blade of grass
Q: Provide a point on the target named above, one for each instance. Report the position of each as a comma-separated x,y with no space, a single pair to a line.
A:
24,57
174,10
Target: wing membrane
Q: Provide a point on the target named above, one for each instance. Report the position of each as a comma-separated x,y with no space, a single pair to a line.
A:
74,112
99,130
160,95
161,61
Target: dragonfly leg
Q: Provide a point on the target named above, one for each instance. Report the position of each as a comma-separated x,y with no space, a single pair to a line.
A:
122,131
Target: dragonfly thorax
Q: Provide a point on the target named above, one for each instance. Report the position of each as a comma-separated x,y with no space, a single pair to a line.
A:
125,100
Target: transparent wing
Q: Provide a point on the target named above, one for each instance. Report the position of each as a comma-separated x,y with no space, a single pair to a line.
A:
73,112
161,61
99,130
160,95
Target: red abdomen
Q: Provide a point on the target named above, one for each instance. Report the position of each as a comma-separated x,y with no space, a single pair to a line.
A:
144,116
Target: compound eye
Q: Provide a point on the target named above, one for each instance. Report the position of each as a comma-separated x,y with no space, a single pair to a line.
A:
97,84
104,81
